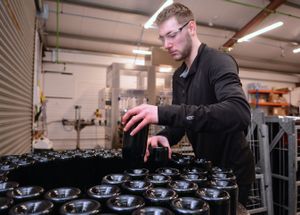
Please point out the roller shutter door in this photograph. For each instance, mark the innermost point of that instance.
(17, 27)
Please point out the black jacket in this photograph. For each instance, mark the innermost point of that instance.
(209, 105)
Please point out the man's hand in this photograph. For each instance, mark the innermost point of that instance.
(144, 114)
(156, 141)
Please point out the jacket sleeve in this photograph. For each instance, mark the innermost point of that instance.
(230, 113)
(173, 135)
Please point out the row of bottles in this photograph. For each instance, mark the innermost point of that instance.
(185, 185)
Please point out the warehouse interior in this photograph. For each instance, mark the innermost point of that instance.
(68, 72)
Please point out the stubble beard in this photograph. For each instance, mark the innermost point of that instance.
(184, 54)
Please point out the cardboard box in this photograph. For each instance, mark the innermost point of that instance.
(273, 97)
(279, 111)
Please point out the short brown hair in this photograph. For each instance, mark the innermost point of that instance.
(180, 11)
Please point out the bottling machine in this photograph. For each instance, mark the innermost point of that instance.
(127, 86)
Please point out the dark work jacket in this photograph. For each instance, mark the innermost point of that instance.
(209, 105)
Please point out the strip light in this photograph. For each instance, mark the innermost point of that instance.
(165, 69)
(141, 52)
(297, 50)
(261, 31)
(150, 22)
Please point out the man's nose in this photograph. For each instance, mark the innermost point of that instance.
(167, 44)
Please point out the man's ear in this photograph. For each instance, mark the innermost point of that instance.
(192, 28)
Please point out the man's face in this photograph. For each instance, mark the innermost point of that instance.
(175, 38)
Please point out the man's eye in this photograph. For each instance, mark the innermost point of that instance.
(172, 35)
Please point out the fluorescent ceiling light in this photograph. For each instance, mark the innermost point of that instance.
(141, 52)
(150, 22)
(165, 69)
(297, 50)
(261, 31)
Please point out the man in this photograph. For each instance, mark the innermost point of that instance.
(208, 104)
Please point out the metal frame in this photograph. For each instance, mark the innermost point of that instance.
(283, 150)
(257, 200)
(259, 143)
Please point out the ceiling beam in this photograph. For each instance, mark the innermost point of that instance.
(98, 5)
(293, 67)
(292, 4)
(100, 39)
(113, 9)
(277, 62)
(254, 22)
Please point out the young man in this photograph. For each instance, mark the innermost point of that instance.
(209, 104)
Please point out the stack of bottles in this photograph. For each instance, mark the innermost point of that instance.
(185, 186)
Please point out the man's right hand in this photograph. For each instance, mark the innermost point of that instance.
(156, 141)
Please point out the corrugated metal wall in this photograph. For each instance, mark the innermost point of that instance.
(17, 27)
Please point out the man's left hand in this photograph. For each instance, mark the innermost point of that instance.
(144, 114)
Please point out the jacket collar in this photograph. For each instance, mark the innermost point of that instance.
(194, 65)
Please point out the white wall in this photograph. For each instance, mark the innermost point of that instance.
(88, 81)
(89, 75)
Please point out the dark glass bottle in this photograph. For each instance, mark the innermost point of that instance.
(152, 211)
(125, 204)
(20, 194)
(200, 179)
(172, 172)
(190, 205)
(59, 196)
(10, 158)
(216, 169)
(158, 180)
(8, 166)
(136, 187)
(81, 206)
(103, 192)
(25, 161)
(138, 173)
(134, 147)
(159, 157)
(203, 164)
(3, 173)
(184, 188)
(182, 161)
(194, 170)
(224, 176)
(232, 188)
(36, 207)
(159, 196)
(62, 194)
(218, 200)
(3, 178)
(115, 179)
(5, 204)
(44, 158)
(7, 186)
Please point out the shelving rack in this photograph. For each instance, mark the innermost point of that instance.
(261, 98)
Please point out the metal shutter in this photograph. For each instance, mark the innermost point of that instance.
(17, 27)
